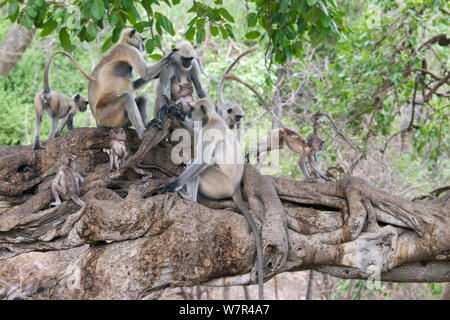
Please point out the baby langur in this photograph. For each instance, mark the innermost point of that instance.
(67, 181)
(57, 106)
(176, 82)
(217, 168)
(119, 152)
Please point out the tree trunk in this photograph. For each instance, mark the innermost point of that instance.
(13, 46)
(141, 243)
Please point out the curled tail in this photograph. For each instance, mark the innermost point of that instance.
(47, 67)
(237, 198)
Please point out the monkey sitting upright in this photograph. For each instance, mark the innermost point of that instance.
(66, 182)
(57, 106)
(176, 82)
(119, 152)
(217, 169)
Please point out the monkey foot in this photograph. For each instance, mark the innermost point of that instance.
(37, 147)
(54, 204)
(156, 122)
(169, 188)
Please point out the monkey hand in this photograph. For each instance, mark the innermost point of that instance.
(155, 122)
(176, 112)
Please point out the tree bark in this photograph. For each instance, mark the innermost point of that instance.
(13, 46)
(141, 243)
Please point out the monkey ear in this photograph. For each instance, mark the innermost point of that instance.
(133, 31)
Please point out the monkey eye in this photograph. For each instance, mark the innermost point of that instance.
(230, 110)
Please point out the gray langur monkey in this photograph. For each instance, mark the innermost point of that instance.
(232, 114)
(111, 86)
(177, 82)
(111, 97)
(56, 105)
(216, 172)
(66, 182)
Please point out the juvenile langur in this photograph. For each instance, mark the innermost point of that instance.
(111, 86)
(176, 82)
(67, 180)
(119, 152)
(217, 169)
(57, 106)
(305, 149)
(232, 114)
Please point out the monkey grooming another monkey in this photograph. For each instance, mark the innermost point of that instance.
(216, 172)
(57, 106)
(119, 153)
(111, 86)
(66, 183)
(176, 82)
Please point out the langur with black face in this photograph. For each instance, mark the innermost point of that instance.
(56, 105)
(217, 169)
(111, 86)
(177, 82)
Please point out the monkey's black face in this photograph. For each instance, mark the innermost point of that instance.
(238, 118)
(186, 62)
(83, 107)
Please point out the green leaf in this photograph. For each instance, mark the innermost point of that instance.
(39, 3)
(91, 32)
(251, 19)
(127, 3)
(27, 22)
(113, 19)
(200, 35)
(158, 41)
(13, 10)
(116, 33)
(149, 45)
(175, 2)
(49, 26)
(311, 2)
(226, 14)
(64, 38)
(32, 11)
(166, 24)
(252, 34)
(97, 9)
(155, 56)
(214, 31)
(190, 33)
(325, 20)
(312, 15)
(107, 44)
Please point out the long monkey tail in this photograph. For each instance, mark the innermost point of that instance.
(47, 68)
(237, 198)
